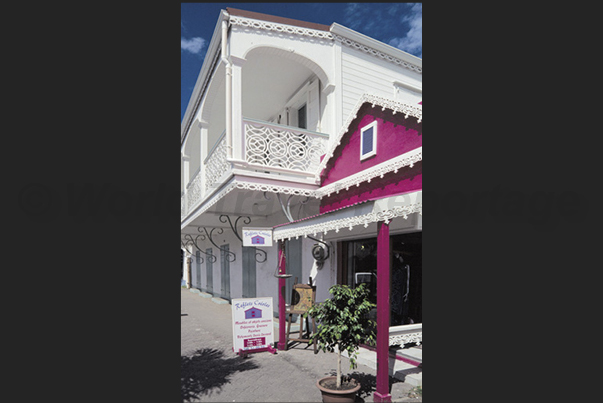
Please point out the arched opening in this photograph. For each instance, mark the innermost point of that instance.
(283, 87)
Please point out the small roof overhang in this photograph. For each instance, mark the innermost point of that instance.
(362, 213)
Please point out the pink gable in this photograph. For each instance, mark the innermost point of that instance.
(395, 136)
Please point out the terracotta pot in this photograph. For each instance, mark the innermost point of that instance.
(337, 396)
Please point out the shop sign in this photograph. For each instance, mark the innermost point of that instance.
(252, 324)
(259, 237)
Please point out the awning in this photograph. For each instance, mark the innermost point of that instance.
(364, 213)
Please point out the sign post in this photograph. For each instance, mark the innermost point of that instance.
(252, 325)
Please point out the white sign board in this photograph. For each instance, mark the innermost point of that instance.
(257, 236)
(252, 324)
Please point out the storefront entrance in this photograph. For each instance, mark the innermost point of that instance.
(359, 265)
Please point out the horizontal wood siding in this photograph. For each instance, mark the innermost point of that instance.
(363, 73)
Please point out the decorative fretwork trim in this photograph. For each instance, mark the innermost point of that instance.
(395, 106)
(261, 187)
(349, 222)
(315, 33)
(393, 165)
(216, 164)
(194, 191)
(280, 28)
(375, 52)
(235, 184)
(282, 147)
(401, 339)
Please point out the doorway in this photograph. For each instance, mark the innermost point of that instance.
(359, 265)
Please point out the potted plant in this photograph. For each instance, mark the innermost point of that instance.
(342, 324)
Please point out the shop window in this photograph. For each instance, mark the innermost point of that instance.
(360, 266)
(368, 140)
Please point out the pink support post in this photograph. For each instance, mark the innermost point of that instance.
(282, 269)
(383, 262)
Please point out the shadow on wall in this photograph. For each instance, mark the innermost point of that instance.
(207, 370)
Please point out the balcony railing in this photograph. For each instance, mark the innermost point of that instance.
(216, 164)
(283, 147)
(266, 147)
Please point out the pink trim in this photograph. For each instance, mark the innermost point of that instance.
(406, 180)
(244, 353)
(383, 275)
(378, 397)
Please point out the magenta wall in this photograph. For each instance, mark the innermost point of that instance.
(406, 180)
(395, 136)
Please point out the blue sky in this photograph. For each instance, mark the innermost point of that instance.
(397, 24)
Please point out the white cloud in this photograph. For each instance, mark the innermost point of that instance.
(412, 42)
(193, 45)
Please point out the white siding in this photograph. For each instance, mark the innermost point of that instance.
(364, 73)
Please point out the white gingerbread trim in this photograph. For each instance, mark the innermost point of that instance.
(401, 339)
(279, 28)
(367, 49)
(392, 165)
(207, 203)
(336, 225)
(262, 187)
(395, 106)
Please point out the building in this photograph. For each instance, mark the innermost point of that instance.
(314, 132)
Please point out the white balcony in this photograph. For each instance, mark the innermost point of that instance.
(270, 151)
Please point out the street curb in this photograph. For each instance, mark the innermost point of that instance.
(220, 301)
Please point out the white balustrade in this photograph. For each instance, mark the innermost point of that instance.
(276, 146)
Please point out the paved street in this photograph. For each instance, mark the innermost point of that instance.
(212, 372)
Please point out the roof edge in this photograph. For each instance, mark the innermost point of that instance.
(356, 36)
(212, 50)
(279, 20)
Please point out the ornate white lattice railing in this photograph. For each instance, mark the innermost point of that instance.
(283, 147)
(182, 205)
(215, 163)
(194, 190)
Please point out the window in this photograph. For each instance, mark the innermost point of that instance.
(368, 140)
(301, 117)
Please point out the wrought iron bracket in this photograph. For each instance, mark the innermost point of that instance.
(192, 241)
(230, 256)
(259, 253)
(185, 246)
(316, 249)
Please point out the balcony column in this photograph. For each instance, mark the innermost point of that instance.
(238, 135)
(186, 177)
(203, 135)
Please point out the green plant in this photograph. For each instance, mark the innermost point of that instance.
(416, 392)
(343, 323)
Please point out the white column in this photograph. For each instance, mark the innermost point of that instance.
(185, 263)
(185, 162)
(238, 135)
(203, 135)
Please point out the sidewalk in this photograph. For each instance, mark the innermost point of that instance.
(212, 372)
